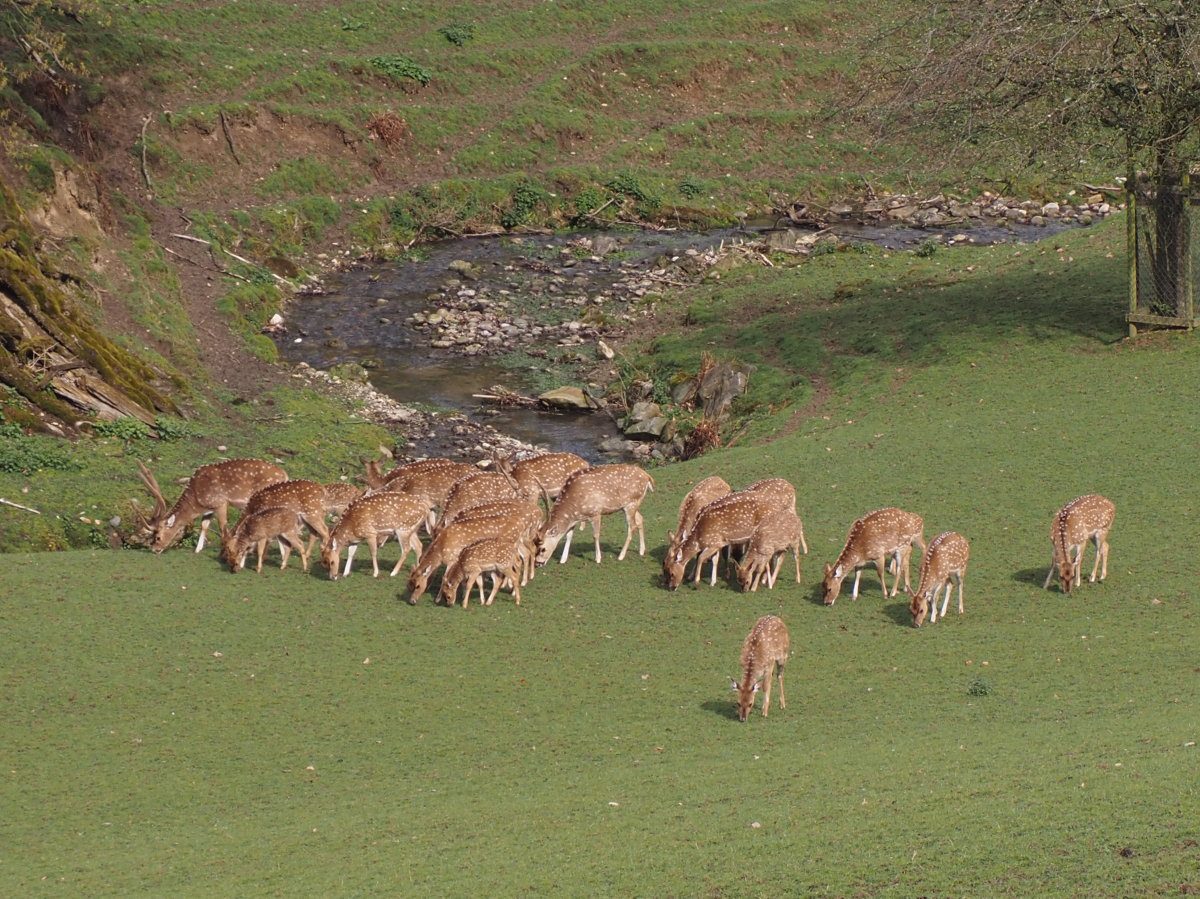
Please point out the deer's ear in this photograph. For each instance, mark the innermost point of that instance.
(754, 689)
(837, 572)
(734, 684)
(170, 521)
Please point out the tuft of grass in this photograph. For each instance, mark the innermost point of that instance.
(401, 68)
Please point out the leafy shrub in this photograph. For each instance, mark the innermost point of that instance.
(352, 24)
(172, 428)
(691, 187)
(588, 200)
(122, 429)
(401, 68)
(22, 455)
(928, 247)
(628, 185)
(10, 429)
(525, 199)
(457, 34)
(979, 687)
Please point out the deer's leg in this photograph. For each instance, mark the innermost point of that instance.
(767, 694)
(946, 598)
(405, 546)
(496, 581)
(779, 671)
(516, 587)
(803, 545)
(796, 558)
(350, 551)
(596, 534)
(1104, 563)
(858, 574)
(373, 546)
(204, 523)
(1050, 573)
(261, 546)
(1096, 563)
(1079, 562)
(883, 577)
(630, 525)
(641, 526)
(285, 550)
(961, 575)
(304, 551)
(566, 545)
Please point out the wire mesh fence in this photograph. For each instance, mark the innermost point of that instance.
(1164, 241)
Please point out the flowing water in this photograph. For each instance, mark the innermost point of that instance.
(363, 316)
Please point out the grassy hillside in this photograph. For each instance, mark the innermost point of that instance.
(175, 728)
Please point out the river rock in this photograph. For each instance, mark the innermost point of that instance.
(1050, 209)
(603, 350)
(683, 393)
(602, 244)
(720, 387)
(650, 429)
(568, 398)
(643, 411)
(464, 269)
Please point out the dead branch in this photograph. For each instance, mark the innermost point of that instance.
(145, 169)
(229, 137)
(217, 269)
(232, 255)
(6, 502)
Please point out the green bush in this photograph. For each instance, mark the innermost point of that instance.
(122, 429)
(23, 455)
(525, 199)
(457, 34)
(172, 428)
(401, 68)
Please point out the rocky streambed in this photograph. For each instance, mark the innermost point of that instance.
(514, 315)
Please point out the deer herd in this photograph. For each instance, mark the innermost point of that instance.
(504, 522)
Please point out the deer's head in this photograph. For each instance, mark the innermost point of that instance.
(918, 607)
(831, 586)
(745, 697)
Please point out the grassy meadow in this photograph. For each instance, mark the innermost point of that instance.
(170, 728)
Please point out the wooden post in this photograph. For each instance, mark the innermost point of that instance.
(1189, 285)
(1131, 248)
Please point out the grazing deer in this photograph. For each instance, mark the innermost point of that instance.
(478, 488)
(707, 490)
(727, 521)
(776, 493)
(305, 498)
(527, 513)
(339, 495)
(945, 560)
(498, 557)
(432, 482)
(1082, 519)
(370, 518)
(767, 647)
(774, 536)
(587, 496)
(257, 528)
(872, 538)
(377, 479)
(451, 539)
(210, 491)
(545, 471)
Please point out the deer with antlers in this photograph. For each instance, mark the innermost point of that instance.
(497, 557)
(256, 529)
(370, 518)
(771, 540)
(765, 651)
(210, 491)
(728, 521)
(589, 495)
(945, 560)
(451, 539)
(873, 538)
(1082, 519)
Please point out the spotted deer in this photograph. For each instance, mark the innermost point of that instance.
(210, 491)
(339, 495)
(478, 488)
(306, 498)
(728, 521)
(257, 528)
(945, 560)
(451, 539)
(1082, 519)
(528, 513)
(707, 490)
(873, 538)
(776, 493)
(765, 651)
(545, 471)
(498, 557)
(589, 495)
(377, 479)
(433, 483)
(774, 536)
(370, 518)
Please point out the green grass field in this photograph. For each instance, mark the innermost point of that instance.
(173, 729)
